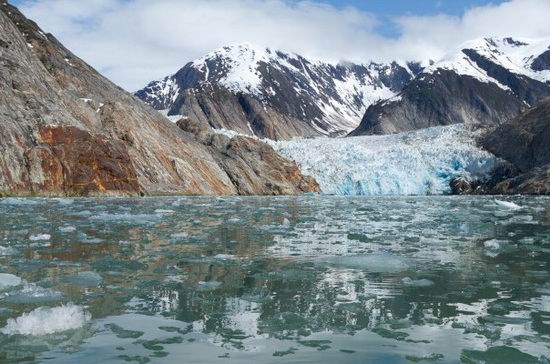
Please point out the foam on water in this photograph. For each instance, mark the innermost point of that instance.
(415, 163)
(46, 321)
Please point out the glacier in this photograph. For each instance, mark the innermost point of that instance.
(414, 163)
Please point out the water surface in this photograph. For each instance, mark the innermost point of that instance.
(311, 279)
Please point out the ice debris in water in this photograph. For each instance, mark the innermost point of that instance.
(67, 229)
(164, 212)
(380, 263)
(417, 282)
(17, 201)
(31, 294)
(508, 205)
(39, 237)
(7, 250)
(8, 281)
(84, 279)
(415, 163)
(46, 321)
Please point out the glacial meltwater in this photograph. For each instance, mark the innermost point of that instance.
(311, 279)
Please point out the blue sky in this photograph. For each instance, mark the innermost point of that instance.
(385, 10)
(136, 41)
(414, 7)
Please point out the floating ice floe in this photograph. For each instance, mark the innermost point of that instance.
(46, 321)
(67, 229)
(7, 250)
(164, 212)
(40, 237)
(9, 280)
(417, 282)
(32, 294)
(508, 205)
(492, 244)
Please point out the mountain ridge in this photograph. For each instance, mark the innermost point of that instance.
(252, 89)
(486, 81)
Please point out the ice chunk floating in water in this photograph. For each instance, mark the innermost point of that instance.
(508, 205)
(9, 280)
(416, 163)
(45, 321)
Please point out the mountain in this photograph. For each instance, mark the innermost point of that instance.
(277, 95)
(68, 130)
(524, 142)
(485, 81)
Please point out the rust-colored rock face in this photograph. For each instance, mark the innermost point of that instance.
(253, 167)
(104, 140)
(74, 161)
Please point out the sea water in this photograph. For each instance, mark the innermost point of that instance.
(312, 279)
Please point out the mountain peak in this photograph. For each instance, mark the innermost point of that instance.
(318, 98)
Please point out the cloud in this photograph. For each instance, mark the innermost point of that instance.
(135, 41)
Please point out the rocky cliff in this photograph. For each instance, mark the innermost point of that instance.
(276, 95)
(486, 81)
(525, 143)
(65, 129)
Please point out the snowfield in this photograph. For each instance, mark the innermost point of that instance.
(416, 163)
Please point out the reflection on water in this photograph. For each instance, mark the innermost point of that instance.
(263, 280)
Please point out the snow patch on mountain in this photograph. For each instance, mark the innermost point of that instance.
(240, 65)
(514, 54)
(415, 163)
(331, 97)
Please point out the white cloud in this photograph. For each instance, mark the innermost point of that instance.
(135, 41)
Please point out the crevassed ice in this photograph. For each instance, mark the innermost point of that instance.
(414, 163)
(45, 321)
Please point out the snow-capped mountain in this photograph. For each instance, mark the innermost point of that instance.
(486, 81)
(273, 94)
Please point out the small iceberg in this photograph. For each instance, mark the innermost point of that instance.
(40, 237)
(9, 280)
(7, 250)
(46, 321)
(492, 244)
(67, 229)
(417, 282)
(508, 205)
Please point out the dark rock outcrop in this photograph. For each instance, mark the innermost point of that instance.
(441, 98)
(542, 62)
(65, 129)
(525, 143)
(534, 182)
(480, 85)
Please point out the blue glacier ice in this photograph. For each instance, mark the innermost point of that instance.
(415, 163)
